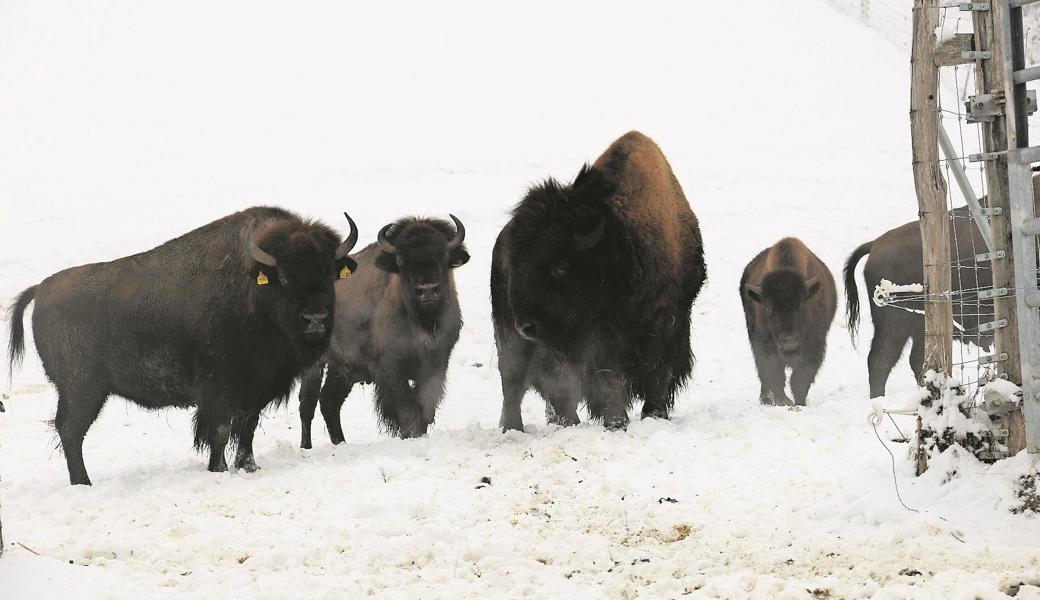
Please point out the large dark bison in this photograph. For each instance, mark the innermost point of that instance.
(396, 325)
(789, 300)
(897, 256)
(591, 289)
(224, 318)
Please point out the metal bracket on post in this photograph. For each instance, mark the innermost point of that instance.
(981, 108)
(976, 54)
(993, 358)
(988, 256)
(981, 156)
(995, 293)
(992, 212)
(992, 325)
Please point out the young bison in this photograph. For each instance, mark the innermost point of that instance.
(397, 322)
(789, 303)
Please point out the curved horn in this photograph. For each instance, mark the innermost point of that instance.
(584, 241)
(254, 251)
(349, 243)
(460, 233)
(385, 243)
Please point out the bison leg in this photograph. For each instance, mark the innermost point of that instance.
(429, 393)
(398, 407)
(218, 441)
(771, 374)
(559, 385)
(885, 348)
(657, 387)
(514, 361)
(244, 430)
(77, 411)
(802, 378)
(917, 355)
(310, 387)
(333, 394)
(608, 398)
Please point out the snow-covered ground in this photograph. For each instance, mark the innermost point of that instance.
(125, 124)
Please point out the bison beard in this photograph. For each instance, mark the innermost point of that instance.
(223, 318)
(396, 325)
(592, 285)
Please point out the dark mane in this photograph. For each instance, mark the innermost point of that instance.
(576, 205)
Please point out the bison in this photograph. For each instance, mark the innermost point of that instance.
(592, 284)
(396, 325)
(897, 256)
(224, 318)
(789, 301)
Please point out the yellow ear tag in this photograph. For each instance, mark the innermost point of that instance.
(343, 274)
(261, 279)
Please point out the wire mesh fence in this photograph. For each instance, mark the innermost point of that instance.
(970, 270)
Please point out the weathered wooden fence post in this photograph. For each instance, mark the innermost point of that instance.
(931, 202)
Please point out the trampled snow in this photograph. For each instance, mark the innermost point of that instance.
(123, 125)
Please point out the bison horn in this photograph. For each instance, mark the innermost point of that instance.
(460, 233)
(584, 241)
(348, 244)
(254, 251)
(385, 243)
(812, 285)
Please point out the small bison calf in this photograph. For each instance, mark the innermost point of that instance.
(789, 303)
(396, 323)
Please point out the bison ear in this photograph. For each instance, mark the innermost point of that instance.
(754, 292)
(345, 267)
(812, 286)
(458, 257)
(387, 262)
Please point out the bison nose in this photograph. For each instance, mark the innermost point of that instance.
(315, 320)
(527, 330)
(428, 292)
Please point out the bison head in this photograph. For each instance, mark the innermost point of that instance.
(422, 252)
(296, 264)
(783, 294)
(567, 261)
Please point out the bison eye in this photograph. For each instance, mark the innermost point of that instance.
(769, 309)
(559, 271)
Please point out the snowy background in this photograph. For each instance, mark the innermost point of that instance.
(124, 124)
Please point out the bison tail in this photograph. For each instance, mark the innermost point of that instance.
(16, 349)
(851, 293)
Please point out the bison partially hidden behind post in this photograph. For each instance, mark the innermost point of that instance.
(896, 256)
(223, 318)
(396, 325)
(592, 285)
(789, 302)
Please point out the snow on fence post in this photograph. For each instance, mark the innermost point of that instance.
(931, 201)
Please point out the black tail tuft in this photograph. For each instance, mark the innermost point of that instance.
(851, 293)
(16, 349)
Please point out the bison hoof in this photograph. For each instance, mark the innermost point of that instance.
(617, 423)
(247, 464)
(657, 413)
(220, 467)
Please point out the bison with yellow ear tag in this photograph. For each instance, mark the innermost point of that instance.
(224, 318)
